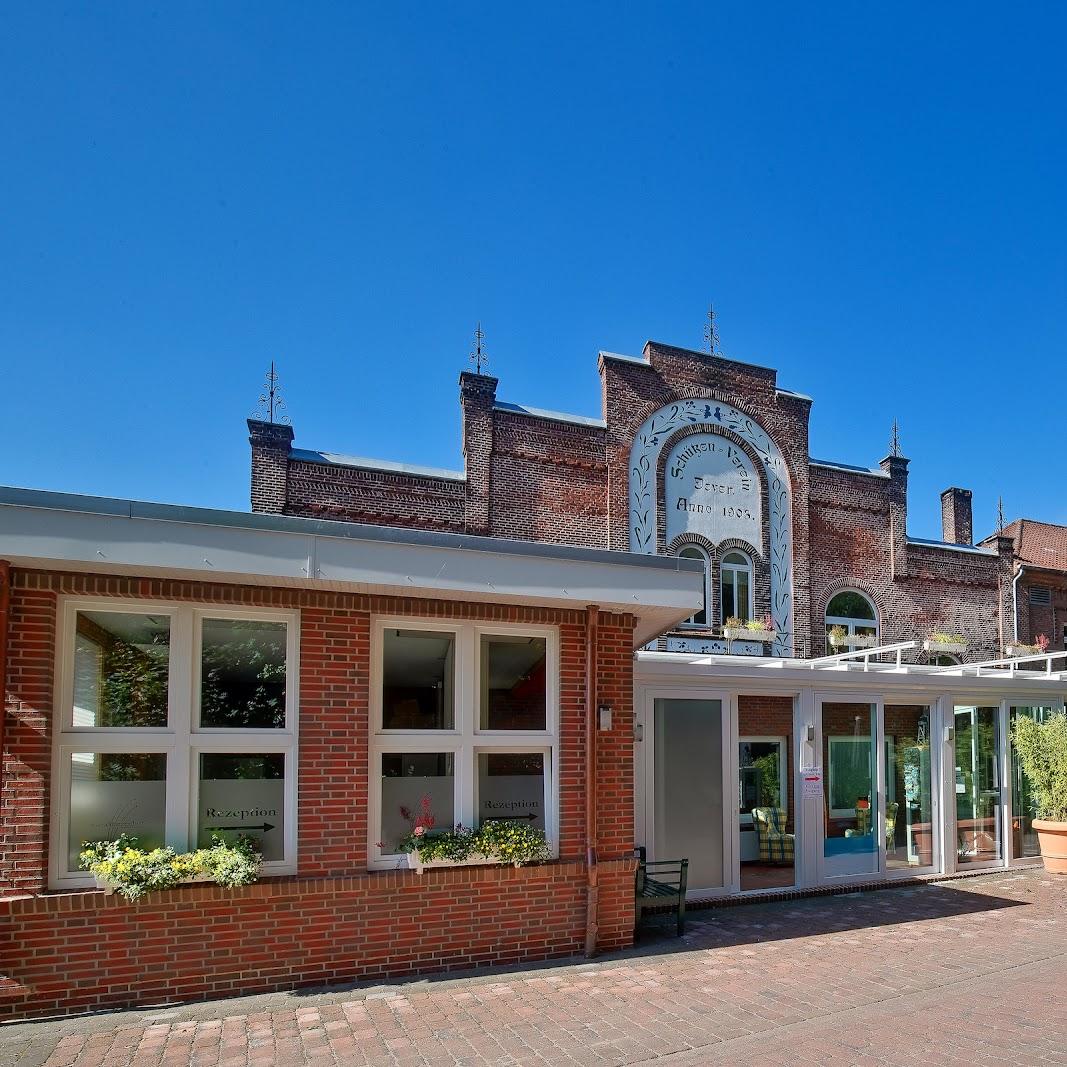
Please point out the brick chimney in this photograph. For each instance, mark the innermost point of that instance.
(477, 394)
(956, 526)
(270, 443)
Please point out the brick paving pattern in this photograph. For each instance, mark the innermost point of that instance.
(971, 972)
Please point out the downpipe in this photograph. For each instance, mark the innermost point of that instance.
(592, 890)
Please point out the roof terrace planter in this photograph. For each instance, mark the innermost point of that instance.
(948, 645)
(1020, 648)
(743, 633)
(853, 640)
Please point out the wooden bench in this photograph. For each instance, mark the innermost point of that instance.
(660, 885)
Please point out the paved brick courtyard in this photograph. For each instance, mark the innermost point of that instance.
(966, 972)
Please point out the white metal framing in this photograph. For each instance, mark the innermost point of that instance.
(938, 689)
(182, 739)
(466, 740)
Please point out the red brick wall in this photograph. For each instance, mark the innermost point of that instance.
(85, 951)
(484, 919)
(1048, 619)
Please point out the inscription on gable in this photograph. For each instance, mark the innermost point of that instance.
(711, 489)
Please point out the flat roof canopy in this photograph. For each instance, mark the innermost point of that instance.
(898, 680)
(58, 531)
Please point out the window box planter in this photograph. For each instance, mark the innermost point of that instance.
(475, 859)
(743, 633)
(853, 640)
(110, 888)
(955, 648)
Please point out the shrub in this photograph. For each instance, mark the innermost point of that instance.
(1042, 748)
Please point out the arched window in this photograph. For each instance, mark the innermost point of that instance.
(854, 613)
(693, 552)
(735, 577)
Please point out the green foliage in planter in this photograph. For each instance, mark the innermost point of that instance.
(1042, 748)
(134, 871)
(838, 633)
(455, 845)
(512, 841)
(505, 840)
(939, 638)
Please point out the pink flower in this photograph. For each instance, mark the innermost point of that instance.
(420, 830)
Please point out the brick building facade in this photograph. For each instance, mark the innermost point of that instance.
(1039, 582)
(550, 477)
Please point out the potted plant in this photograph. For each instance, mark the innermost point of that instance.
(841, 638)
(121, 866)
(1042, 750)
(940, 642)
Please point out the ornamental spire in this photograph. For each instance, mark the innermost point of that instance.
(711, 333)
(1000, 514)
(270, 401)
(478, 354)
(894, 440)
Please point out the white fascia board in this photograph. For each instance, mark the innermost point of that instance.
(111, 541)
(765, 675)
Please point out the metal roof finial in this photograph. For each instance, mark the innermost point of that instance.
(711, 334)
(478, 355)
(894, 440)
(1000, 514)
(270, 401)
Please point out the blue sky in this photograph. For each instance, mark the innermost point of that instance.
(873, 197)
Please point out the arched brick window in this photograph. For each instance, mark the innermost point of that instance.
(735, 585)
(695, 552)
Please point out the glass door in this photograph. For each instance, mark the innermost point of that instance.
(911, 789)
(976, 749)
(688, 817)
(1023, 838)
(852, 770)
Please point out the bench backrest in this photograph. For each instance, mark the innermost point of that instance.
(673, 873)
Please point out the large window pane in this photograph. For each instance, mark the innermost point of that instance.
(850, 845)
(242, 675)
(977, 785)
(418, 685)
(416, 785)
(1023, 804)
(513, 683)
(909, 822)
(121, 662)
(511, 785)
(116, 793)
(243, 794)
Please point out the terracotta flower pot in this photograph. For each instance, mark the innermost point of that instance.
(1053, 839)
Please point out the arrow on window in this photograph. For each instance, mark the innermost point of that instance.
(508, 818)
(262, 827)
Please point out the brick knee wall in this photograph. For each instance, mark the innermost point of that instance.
(69, 953)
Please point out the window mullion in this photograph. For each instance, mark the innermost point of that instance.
(180, 758)
(468, 703)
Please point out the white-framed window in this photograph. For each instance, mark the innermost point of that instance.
(762, 768)
(855, 612)
(735, 584)
(696, 552)
(173, 722)
(464, 727)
